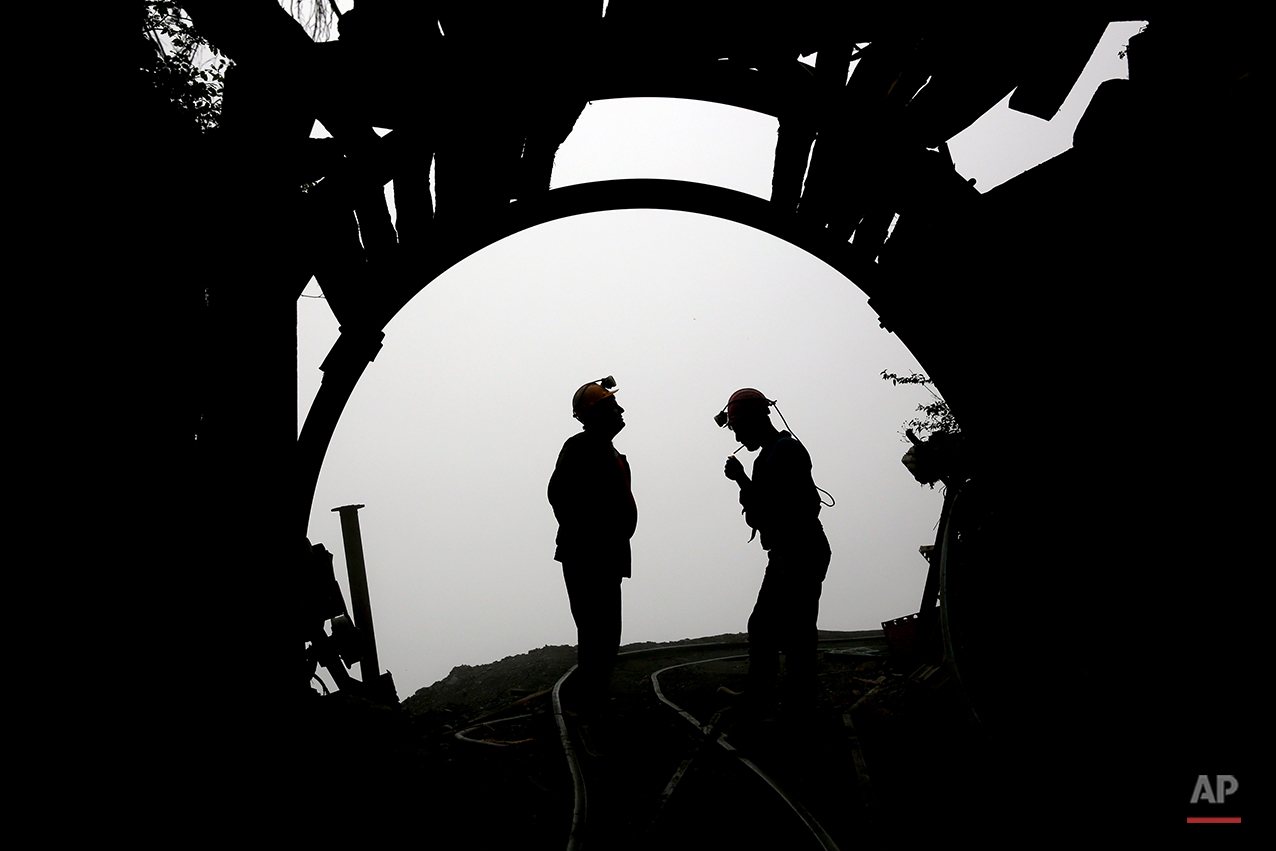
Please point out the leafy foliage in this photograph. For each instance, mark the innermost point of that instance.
(186, 74)
(180, 67)
(935, 417)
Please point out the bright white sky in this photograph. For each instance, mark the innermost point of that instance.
(451, 436)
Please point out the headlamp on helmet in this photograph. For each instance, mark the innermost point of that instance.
(742, 402)
(592, 393)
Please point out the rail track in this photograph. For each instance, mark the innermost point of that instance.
(677, 766)
(674, 765)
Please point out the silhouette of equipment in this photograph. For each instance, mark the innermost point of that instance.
(351, 640)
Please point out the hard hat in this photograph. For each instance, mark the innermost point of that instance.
(743, 401)
(592, 393)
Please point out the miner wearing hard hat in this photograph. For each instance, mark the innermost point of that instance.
(781, 504)
(594, 504)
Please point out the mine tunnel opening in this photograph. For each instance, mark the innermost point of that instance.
(682, 309)
(460, 408)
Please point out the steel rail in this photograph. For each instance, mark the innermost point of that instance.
(817, 830)
(460, 735)
(580, 808)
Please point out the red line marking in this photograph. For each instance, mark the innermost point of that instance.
(1214, 821)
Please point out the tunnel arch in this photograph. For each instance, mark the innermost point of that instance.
(357, 346)
(1165, 174)
(420, 434)
(790, 98)
(351, 354)
(1180, 147)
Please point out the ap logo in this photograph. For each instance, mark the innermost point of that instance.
(1214, 798)
(1224, 786)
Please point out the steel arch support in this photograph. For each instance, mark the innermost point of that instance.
(356, 347)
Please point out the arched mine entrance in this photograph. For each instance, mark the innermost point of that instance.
(1078, 267)
(452, 433)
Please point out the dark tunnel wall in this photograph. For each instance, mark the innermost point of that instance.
(1132, 314)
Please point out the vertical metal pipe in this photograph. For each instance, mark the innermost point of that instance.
(359, 600)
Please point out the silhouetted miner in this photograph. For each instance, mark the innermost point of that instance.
(591, 496)
(782, 504)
